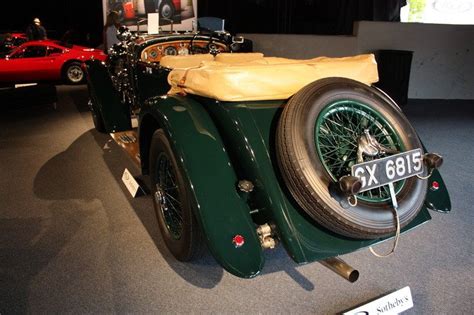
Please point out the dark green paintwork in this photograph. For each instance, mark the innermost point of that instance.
(438, 200)
(218, 144)
(105, 99)
(248, 131)
(212, 181)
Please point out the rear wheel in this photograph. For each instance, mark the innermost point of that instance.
(166, 9)
(172, 201)
(318, 142)
(118, 7)
(73, 73)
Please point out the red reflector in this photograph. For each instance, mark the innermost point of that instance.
(434, 185)
(238, 240)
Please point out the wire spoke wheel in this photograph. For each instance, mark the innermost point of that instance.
(337, 132)
(167, 196)
(323, 131)
(173, 201)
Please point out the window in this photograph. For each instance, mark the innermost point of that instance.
(54, 51)
(34, 52)
(439, 11)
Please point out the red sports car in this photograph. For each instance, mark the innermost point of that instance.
(47, 60)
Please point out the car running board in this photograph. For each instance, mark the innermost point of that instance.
(128, 140)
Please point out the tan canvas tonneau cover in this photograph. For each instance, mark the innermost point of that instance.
(251, 77)
(187, 61)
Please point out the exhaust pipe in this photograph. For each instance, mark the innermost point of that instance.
(341, 268)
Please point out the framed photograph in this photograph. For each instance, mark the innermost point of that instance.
(178, 14)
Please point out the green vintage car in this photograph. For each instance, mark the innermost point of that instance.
(246, 152)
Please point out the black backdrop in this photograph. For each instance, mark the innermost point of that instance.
(333, 17)
(329, 17)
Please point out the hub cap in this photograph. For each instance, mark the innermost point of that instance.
(75, 74)
(166, 11)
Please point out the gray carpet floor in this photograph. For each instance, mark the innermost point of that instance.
(72, 240)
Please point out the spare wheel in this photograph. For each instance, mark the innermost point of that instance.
(317, 142)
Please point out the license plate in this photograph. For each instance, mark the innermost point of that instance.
(389, 169)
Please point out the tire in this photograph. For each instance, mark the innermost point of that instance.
(172, 201)
(118, 7)
(73, 73)
(166, 9)
(312, 157)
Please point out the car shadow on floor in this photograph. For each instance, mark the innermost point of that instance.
(203, 272)
(91, 169)
(28, 245)
(84, 170)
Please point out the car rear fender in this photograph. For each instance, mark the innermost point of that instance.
(248, 130)
(105, 99)
(204, 162)
(437, 198)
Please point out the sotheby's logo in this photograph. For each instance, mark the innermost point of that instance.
(393, 303)
(390, 305)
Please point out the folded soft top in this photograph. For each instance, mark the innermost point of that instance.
(251, 76)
